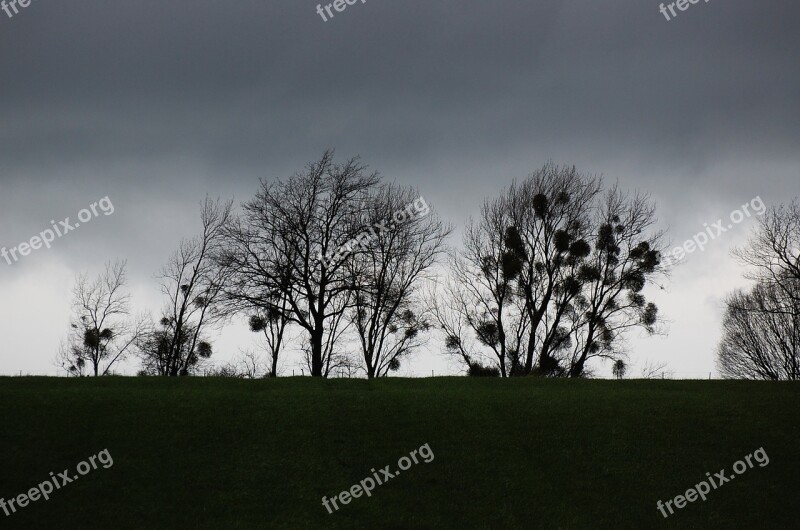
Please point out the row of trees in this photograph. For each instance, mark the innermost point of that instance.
(264, 264)
(551, 275)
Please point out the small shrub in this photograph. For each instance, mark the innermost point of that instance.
(478, 370)
(226, 370)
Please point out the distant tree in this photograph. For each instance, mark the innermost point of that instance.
(227, 370)
(192, 283)
(283, 244)
(619, 369)
(653, 370)
(101, 334)
(760, 330)
(250, 365)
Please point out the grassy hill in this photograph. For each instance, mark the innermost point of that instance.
(525, 453)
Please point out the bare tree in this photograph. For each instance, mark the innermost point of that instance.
(760, 333)
(654, 370)
(192, 283)
(228, 370)
(385, 273)
(508, 278)
(101, 333)
(453, 324)
(773, 252)
(760, 330)
(481, 308)
(551, 214)
(551, 275)
(279, 249)
(269, 310)
(336, 334)
(625, 257)
(252, 366)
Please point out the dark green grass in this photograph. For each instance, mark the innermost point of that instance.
(526, 453)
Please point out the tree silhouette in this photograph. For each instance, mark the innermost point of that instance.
(385, 273)
(551, 276)
(760, 335)
(619, 369)
(101, 333)
(192, 283)
(272, 324)
(284, 247)
(761, 338)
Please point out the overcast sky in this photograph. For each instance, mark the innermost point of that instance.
(156, 104)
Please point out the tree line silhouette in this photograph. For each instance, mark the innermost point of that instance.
(551, 276)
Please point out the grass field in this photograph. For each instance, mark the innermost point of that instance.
(203, 453)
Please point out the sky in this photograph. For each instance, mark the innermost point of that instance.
(156, 104)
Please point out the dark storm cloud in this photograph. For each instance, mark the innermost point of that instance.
(245, 82)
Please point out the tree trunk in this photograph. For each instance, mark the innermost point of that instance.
(577, 369)
(529, 353)
(536, 319)
(316, 352)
